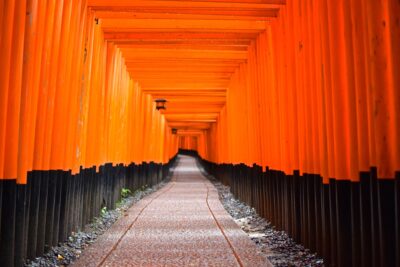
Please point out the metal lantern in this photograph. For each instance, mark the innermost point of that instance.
(160, 103)
(174, 131)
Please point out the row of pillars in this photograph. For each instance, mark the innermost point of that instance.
(347, 223)
(41, 214)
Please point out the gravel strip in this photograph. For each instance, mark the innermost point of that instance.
(69, 251)
(277, 246)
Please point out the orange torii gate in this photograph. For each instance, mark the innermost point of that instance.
(300, 97)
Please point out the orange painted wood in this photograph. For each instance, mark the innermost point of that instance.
(14, 94)
(28, 90)
(5, 72)
(44, 90)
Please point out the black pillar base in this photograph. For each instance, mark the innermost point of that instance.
(7, 241)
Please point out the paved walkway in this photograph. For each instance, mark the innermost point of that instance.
(182, 224)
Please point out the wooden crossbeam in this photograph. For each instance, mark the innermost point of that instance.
(160, 54)
(162, 35)
(179, 25)
(232, 5)
(185, 51)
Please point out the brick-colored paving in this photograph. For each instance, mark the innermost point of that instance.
(183, 224)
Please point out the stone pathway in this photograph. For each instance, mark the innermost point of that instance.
(183, 224)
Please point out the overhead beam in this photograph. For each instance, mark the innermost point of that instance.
(143, 53)
(183, 86)
(191, 46)
(180, 75)
(189, 125)
(196, 120)
(200, 111)
(194, 105)
(186, 94)
(182, 70)
(132, 5)
(162, 35)
(266, 14)
(176, 25)
(185, 51)
(191, 116)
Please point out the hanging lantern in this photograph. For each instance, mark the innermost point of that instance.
(160, 103)
(174, 131)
